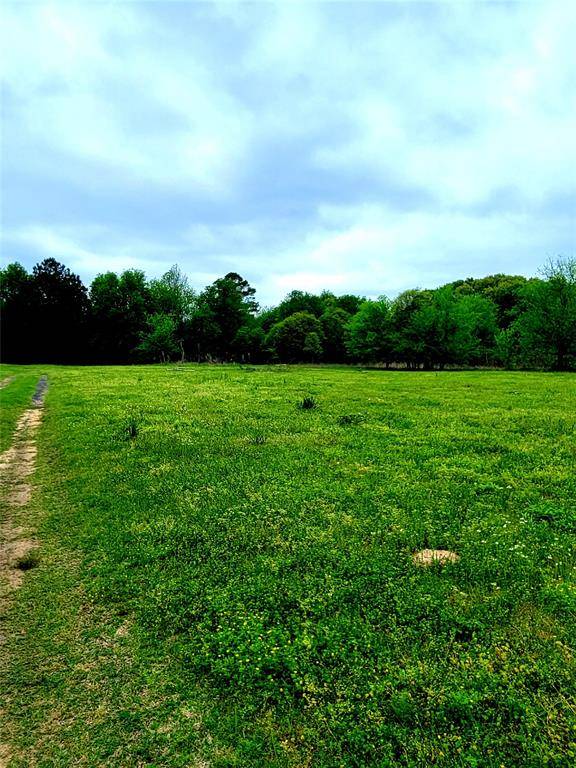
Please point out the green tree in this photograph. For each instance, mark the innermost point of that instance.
(106, 319)
(172, 295)
(446, 328)
(300, 301)
(160, 342)
(245, 290)
(220, 311)
(291, 340)
(201, 332)
(547, 326)
(369, 333)
(59, 313)
(249, 343)
(432, 328)
(120, 310)
(349, 303)
(312, 349)
(476, 326)
(16, 306)
(404, 333)
(504, 290)
(334, 323)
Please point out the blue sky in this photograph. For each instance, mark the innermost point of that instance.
(362, 147)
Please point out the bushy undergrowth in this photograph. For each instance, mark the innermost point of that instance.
(279, 571)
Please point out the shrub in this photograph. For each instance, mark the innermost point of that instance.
(308, 403)
(351, 418)
(131, 428)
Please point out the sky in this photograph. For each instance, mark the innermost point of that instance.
(362, 147)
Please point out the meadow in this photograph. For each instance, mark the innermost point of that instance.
(226, 578)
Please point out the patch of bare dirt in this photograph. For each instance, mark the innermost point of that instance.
(13, 554)
(5, 755)
(18, 462)
(428, 557)
(4, 382)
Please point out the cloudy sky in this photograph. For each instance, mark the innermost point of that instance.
(361, 147)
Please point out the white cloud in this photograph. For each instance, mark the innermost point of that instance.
(78, 72)
(299, 126)
(82, 250)
(373, 250)
(366, 249)
(504, 79)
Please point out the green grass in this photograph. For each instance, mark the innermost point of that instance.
(226, 578)
(15, 397)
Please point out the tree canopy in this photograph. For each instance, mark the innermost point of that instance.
(507, 320)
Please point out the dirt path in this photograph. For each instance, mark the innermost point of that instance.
(16, 466)
(17, 547)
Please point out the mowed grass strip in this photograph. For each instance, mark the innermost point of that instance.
(256, 558)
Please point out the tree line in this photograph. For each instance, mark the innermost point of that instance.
(48, 315)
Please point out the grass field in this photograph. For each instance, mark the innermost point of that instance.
(14, 398)
(226, 579)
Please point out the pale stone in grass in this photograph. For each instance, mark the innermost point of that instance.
(429, 556)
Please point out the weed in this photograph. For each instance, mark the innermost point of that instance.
(132, 427)
(308, 403)
(351, 418)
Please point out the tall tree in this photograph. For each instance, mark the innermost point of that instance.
(172, 304)
(106, 319)
(443, 327)
(16, 307)
(432, 328)
(202, 332)
(221, 310)
(59, 312)
(349, 303)
(300, 301)
(405, 338)
(504, 290)
(369, 333)
(120, 310)
(245, 290)
(172, 295)
(476, 326)
(547, 327)
(296, 338)
(160, 341)
(249, 342)
(334, 322)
